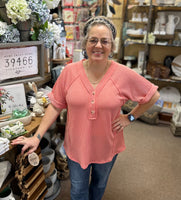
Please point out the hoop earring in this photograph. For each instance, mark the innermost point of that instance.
(84, 53)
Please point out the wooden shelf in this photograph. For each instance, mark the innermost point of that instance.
(168, 8)
(31, 128)
(47, 78)
(173, 79)
(164, 37)
(135, 36)
(60, 61)
(137, 22)
(115, 18)
(130, 6)
(167, 45)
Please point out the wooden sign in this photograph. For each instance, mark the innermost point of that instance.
(21, 62)
(18, 62)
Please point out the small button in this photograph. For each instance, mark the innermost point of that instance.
(93, 93)
(92, 101)
(92, 111)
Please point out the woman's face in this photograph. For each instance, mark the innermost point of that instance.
(99, 43)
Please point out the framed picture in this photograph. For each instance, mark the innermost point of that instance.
(12, 97)
(21, 62)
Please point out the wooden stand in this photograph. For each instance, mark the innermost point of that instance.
(31, 180)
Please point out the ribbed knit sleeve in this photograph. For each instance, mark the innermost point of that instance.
(58, 94)
(133, 86)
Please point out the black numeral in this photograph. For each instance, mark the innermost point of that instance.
(7, 62)
(19, 61)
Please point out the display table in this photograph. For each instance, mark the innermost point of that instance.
(31, 128)
(13, 153)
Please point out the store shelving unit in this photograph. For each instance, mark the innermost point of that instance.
(131, 44)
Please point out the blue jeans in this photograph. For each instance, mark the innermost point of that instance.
(84, 189)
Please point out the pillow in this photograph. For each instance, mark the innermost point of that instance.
(150, 116)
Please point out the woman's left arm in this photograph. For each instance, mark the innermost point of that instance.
(122, 121)
(141, 108)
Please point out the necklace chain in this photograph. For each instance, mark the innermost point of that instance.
(98, 80)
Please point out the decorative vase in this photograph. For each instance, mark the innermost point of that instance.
(24, 29)
(173, 21)
(3, 14)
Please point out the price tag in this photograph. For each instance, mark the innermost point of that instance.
(18, 62)
(33, 159)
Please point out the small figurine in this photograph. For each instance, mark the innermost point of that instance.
(39, 102)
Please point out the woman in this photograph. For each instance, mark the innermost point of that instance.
(93, 91)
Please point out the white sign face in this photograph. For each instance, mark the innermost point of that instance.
(17, 95)
(33, 159)
(18, 62)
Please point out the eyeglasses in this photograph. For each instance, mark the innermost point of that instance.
(104, 41)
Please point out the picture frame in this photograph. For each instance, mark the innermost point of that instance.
(13, 98)
(21, 62)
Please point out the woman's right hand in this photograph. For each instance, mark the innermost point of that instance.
(30, 144)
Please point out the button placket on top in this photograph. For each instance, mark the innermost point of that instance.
(93, 93)
(92, 107)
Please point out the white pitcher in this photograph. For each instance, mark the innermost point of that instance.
(173, 20)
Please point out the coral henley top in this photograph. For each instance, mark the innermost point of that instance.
(89, 137)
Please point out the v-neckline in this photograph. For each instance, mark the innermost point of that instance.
(102, 82)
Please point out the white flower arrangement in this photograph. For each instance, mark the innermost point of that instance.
(54, 28)
(38, 11)
(52, 3)
(3, 27)
(18, 10)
